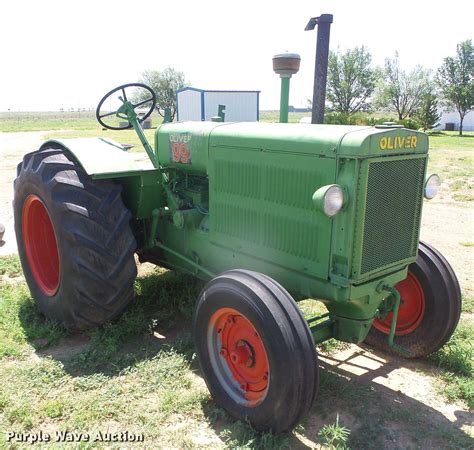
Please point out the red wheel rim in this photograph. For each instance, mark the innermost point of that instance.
(242, 361)
(411, 311)
(40, 244)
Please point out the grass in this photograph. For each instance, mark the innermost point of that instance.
(446, 140)
(139, 374)
(20, 324)
(39, 121)
(335, 436)
(468, 304)
(451, 157)
(274, 116)
(124, 377)
(456, 359)
(86, 120)
(10, 264)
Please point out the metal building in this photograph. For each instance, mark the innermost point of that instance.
(450, 120)
(200, 104)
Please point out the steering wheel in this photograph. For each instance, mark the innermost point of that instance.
(123, 98)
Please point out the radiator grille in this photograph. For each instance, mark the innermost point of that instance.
(392, 213)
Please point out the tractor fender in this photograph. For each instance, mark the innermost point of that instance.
(101, 157)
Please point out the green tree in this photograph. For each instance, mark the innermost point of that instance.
(400, 91)
(428, 111)
(456, 80)
(164, 84)
(351, 80)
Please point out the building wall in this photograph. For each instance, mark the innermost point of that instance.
(197, 104)
(189, 105)
(453, 117)
(239, 106)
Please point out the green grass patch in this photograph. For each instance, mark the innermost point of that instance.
(451, 140)
(450, 156)
(54, 408)
(274, 116)
(39, 121)
(457, 387)
(457, 355)
(335, 436)
(456, 359)
(241, 435)
(10, 265)
(21, 324)
(312, 308)
(468, 304)
(163, 301)
(459, 197)
(20, 415)
(55, 120)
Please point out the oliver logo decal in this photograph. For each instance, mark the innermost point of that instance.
(397, 142)
(180, 151)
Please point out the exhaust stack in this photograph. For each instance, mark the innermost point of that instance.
(324, 22)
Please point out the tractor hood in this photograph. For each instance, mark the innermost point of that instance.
(318, 140)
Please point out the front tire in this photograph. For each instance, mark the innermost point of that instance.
(74, 240)
(255, 350)
(430, 308)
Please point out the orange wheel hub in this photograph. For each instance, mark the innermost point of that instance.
(40, 245)
(243, 353)
(411, 311)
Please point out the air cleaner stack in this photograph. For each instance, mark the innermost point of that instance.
(285, 65)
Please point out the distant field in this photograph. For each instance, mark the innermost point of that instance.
(274, 116)
(39, 121)
(85, 120)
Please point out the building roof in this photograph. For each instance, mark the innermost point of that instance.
(189, 88)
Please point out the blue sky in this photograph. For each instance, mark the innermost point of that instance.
(68, 54)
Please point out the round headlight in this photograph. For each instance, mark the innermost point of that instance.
(329, 199)
(432, 186)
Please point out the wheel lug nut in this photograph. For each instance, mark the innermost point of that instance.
(223, 352)
(244, 386)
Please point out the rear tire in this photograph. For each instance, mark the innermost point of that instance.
(436, 293)
(255, 350)
(74, 240)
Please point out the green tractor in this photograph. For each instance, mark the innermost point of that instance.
(266, 214)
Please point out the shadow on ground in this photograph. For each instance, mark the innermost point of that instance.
(378, 417)
(160, 316)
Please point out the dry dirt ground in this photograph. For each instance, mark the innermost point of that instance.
(411, 384)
